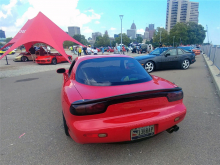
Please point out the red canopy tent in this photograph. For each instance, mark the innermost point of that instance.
(40, 30)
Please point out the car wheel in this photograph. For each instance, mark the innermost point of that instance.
(69, 58)
(185, 64)
(24, 59)
(149, 66)
(54, 61)
(65, 127)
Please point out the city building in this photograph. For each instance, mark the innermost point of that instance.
(151, 26)
(149, 32)
(2, 34)
(106, 32)
(131, 33)
(73, 30)
(146, 35)
(181, 11)
(96, 34)
(89, 39)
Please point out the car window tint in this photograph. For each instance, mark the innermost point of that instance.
(180, 52)
(172, 52)
(155, 52)
(71, 67)
(111, 71)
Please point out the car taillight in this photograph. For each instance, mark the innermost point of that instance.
(88, 109)
(174, 96)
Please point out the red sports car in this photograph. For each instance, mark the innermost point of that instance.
(110, 50)
(113, 99)
(52, 58)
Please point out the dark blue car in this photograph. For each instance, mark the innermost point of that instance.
(166, 58)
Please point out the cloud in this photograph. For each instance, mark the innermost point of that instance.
(97, 22)
(112, 29)
(71, 16)
(140, 31)
(87, 30)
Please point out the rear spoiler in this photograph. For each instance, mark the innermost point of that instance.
(130, 96)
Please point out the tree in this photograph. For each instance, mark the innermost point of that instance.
(180, 33)
(8, 39)
(102, 41)
(125, 39)
(196, 33)
(80, 38)
(139, 39)
(160, 33)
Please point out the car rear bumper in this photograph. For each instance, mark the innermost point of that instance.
(119, 128)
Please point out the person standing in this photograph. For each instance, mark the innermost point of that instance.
(123, 50)
(32, 51)
(85, 50)
(89, 50)
(80, 50)
(119, 48)
(95, 51)
(160, 44)
(102, 50)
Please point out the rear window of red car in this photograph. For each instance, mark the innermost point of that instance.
(111, 71)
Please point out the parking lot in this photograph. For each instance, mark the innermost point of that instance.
(32, 127)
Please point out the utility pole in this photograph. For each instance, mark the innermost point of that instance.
(207, 32)
(121, 17)
(173, 40)
(160, 36)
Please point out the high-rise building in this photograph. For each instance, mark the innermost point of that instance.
(106, 32)
(2, 34)
(73, 30)
(96, 34)
(131, 33)
(146, 35)
(181, 11)
(151, 26)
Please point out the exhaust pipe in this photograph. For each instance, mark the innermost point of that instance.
(174, 128)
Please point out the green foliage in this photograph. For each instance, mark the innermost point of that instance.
(102, 41)
(164, 37)
(147, 42)
(1, 44)
(80, 38)
(67, 44)
(8, 39)
(125, 39)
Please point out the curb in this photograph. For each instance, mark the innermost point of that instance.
(214, 72)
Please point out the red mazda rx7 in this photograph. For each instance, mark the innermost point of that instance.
(113, 99)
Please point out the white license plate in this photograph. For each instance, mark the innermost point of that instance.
(142, 132)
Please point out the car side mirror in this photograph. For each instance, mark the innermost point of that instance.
(61, 70)
(168, 54)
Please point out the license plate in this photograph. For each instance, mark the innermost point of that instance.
(142, 132)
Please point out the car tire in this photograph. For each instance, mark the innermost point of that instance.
(185, 64)
(149, 66)
(24, 58)
(54, 61)
(65, 127)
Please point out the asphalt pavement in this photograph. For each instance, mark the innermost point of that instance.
(32, 128)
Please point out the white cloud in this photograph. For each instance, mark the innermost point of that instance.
(140, 31)
(112, 28)
(87, 30)
(97, 22)
(63, 13)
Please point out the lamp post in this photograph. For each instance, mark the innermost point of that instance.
(173, 40)
(121, 16)
(160, 36)
(207, 32)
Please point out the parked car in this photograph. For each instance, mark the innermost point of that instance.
(110, 50)
(190, 49)
(166, 58)
(52, 58)
(113, 99)
(4, 50)
(24, 56)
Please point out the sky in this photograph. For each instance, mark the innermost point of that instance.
(101, 15)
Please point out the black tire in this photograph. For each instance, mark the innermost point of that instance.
(185, 64)
(24, 58)
(54, 61)
(149, 66)
(65, 127)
